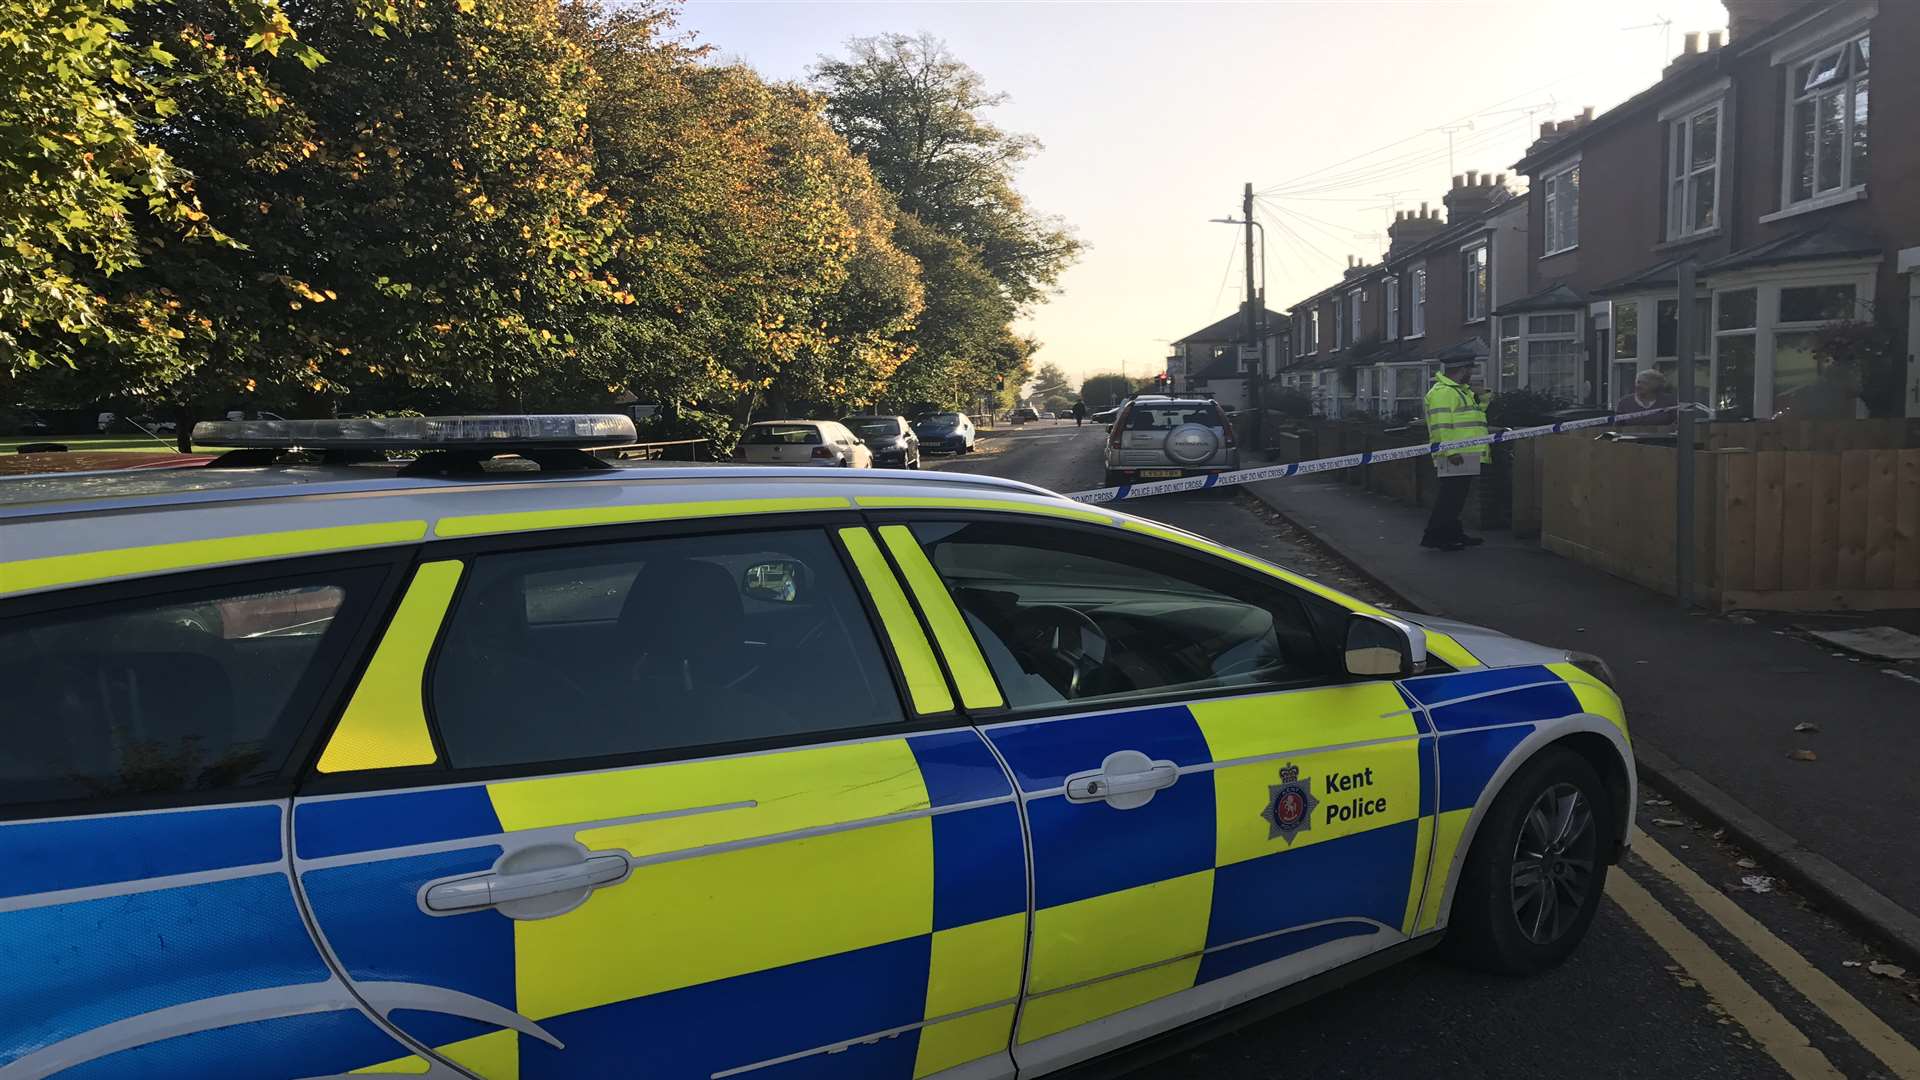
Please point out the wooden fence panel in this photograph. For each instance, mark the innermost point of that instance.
(1853, 518)
(1738, 474)
(1769, 503)
(1823, 548)
(1906, 557)
(1796, 524)
(1883, 470)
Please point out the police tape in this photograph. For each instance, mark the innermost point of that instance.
(1370, 457)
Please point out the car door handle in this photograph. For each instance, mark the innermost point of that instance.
(491, 890)
(1125, 780)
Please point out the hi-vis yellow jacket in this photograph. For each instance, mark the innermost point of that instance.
(1456, 412)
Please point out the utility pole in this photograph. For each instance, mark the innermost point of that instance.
(1685, 336)
(1257, 375)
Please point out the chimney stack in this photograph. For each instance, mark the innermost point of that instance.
(1473, 194)
(1746, 18)
(1412, 230)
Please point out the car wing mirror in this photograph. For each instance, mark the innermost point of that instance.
(782, 581)
(1380, 647)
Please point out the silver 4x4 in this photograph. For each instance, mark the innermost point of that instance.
(1163, 438)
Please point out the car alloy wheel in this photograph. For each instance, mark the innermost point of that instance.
(1553, 860)
(1533, 877)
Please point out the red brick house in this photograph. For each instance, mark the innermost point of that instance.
(1780, 163)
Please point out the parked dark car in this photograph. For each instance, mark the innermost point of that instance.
(949, 432)
(891, 439)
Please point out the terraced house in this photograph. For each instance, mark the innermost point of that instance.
(1370, 343)
(1781, 163)
(1775, 158)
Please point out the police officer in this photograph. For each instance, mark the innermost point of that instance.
(1454, 411)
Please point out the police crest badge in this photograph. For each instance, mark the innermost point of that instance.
(1290, 805)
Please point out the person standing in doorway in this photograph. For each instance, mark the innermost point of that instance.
(1454, 412)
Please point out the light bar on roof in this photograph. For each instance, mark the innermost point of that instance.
(502, 434)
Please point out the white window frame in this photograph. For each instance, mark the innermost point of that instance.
(1528, 336)
(1339, 325)
(1850, 187)
(1356, 300)
(1313, 330)
(1683, 179)
(1418, 305)
(1392, 289)
(1560, 185)
(1476, 303)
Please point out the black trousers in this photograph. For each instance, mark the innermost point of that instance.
(1444, 526)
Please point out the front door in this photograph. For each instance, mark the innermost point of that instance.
(1214, 810)
(671, 819)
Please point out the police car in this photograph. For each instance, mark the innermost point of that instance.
(530, 767)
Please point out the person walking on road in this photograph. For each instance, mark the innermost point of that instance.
(1454, 412)
(1079, 413)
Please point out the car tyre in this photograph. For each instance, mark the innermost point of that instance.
(1533, 878)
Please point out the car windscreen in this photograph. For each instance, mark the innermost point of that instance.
(1166, 417)
(783, 435)
(870, 427)
(940, 420)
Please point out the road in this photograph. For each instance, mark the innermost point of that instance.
(1687, 972)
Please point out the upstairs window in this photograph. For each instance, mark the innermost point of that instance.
(1393, 308)
(1419, 310)
(1562, 202)
(1339, 324)
(1354, 300)
(1693, 174)
(1313, 331)
(1827, 122)
(1476, 283)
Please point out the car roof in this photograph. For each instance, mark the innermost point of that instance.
(79, 528)
(815, 423)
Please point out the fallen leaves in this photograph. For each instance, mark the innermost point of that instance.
(1803, 755)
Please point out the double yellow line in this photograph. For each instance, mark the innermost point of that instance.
(1787, 1044)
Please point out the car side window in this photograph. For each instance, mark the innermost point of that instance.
(1067, 615)
(655, 645)
(191, 691)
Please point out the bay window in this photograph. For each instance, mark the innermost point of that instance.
(1553, 355)
(1509, 352)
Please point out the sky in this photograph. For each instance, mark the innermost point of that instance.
(1153, 115)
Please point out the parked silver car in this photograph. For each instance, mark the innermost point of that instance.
(1163, 438)
(804, 442)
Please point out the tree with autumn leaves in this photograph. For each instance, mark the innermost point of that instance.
(501, 204)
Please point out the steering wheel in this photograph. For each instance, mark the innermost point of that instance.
(1060, 644)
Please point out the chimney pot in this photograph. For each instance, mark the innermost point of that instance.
(1473, 178)
(1423, 209)
(1459, 180)
(1693, 42)
(1586, 114)
(1546, 129)
(1501, 180)
(1713, 41)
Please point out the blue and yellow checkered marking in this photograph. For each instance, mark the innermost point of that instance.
(881, 886)
(73, 853)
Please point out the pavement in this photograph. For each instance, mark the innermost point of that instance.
(1689, 970)
(1711, 699)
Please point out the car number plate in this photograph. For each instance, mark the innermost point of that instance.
(1159, 474)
